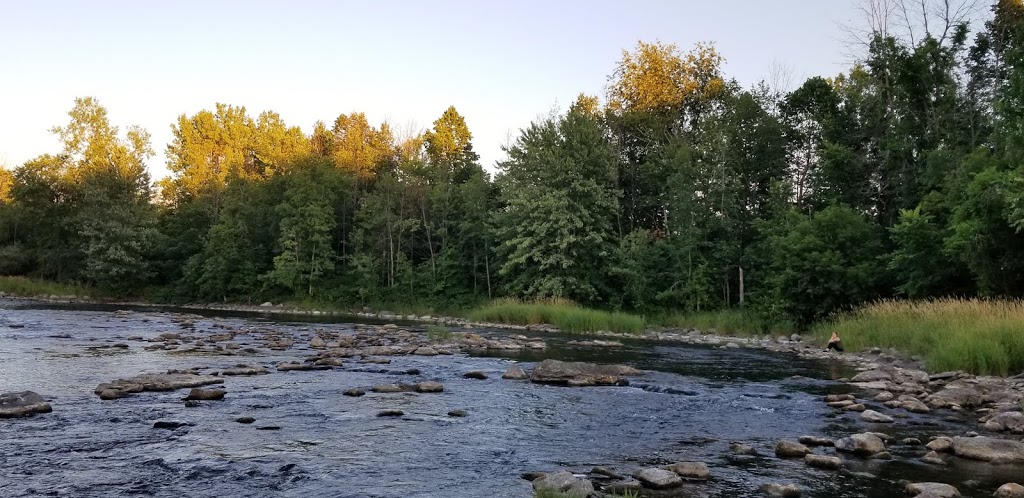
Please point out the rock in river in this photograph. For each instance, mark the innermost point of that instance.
(515, 372)
(790, 449)
(783, 490)
(154, 382)
(565, 484)
(475, 374)
(989, 449)
(932, 490)
(691, 470)
(657, 478)
(1010, 490)
(823, 462)
(861, 444)
(875, 417)
(22, 404)
(429, 387)
(206, 394)
(579, 373)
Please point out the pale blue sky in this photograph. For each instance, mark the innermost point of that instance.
(501, 64)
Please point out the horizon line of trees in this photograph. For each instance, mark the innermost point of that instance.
(680, 191)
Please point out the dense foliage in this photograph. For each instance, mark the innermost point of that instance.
(903, 176)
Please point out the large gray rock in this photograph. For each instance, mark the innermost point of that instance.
(657, 478)
(691, 470)
(875, 417)
(1006, 421)
(780, 490)
(22, 404)
(861, 444)
(579, 373)
(429, 386)
(790, 449)
(154, 382)
(1009, 490)
(871, 376)
(205, 394)
(823, 461)
(515, 372)
(989, 449)
(940, 444)
(932, 490)
(565, 483)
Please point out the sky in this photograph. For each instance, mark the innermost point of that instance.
(500, 63)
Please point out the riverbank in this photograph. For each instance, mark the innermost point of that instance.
(980, 337)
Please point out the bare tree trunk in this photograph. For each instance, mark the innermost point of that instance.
(741, 286)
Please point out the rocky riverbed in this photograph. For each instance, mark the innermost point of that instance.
(161, 403)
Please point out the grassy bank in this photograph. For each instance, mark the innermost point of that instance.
(726, 322)
(25, 287)
(564, 315)
(973, 335)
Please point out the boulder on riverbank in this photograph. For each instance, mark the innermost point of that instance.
(205, 394)
(861, 444)
(1010, 490)
(580, 373)
(932, 490)
(790, 449)
(565, 484)
(989, 449)
(154, 383)
(515, 372)
(22, 404)
(658, 478)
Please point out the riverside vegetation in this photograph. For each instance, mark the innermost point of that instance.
(680, 196)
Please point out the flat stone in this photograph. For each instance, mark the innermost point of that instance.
(859, 407)
(657, 478)
(790, 449)
(871, 376)
(691, 470)
(742, 449)
(245, 420)
(169, 424)
(832, 398)
(875, 417)
(816, 441)
(22, 404)
(244, 370)
(425, 351)
(515, 372)
(861, 444)
(932, 490)
(457, 413)
(565, 484)
(429, 387)
(884, 396)
(354, 392)
(933, 458)
(940, 444)
(780, 490)
(989, 449)
(823, 461)
(390, 413)
(205, 394)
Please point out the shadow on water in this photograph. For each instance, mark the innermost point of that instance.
(309, 440)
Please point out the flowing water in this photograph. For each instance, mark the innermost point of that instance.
(309, 440)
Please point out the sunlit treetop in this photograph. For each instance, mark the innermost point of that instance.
(657, 78)
(449, 139)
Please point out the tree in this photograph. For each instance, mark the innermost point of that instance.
(109, 193)
(827, 262)
(306, 256)
(558, 224)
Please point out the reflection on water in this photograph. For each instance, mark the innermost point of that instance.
(691, 404)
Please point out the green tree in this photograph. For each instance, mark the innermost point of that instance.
(826, 262)
(558, 224)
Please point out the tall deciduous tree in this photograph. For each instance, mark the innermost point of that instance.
(558, 223)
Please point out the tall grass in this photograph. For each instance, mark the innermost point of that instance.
(565, 315)
(728, 322)
(26, 287)
(980, 336)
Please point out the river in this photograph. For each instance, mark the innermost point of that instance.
(309, 440)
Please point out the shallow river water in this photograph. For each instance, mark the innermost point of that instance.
(690, 404)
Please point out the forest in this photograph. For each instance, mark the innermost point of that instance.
(678, 190)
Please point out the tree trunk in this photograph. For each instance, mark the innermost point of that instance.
(741, 286)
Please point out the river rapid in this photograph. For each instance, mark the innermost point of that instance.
(309, 440)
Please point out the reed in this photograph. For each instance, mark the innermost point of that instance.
(980, 336)
(563, 314)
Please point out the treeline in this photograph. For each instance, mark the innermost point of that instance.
(679, 191)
